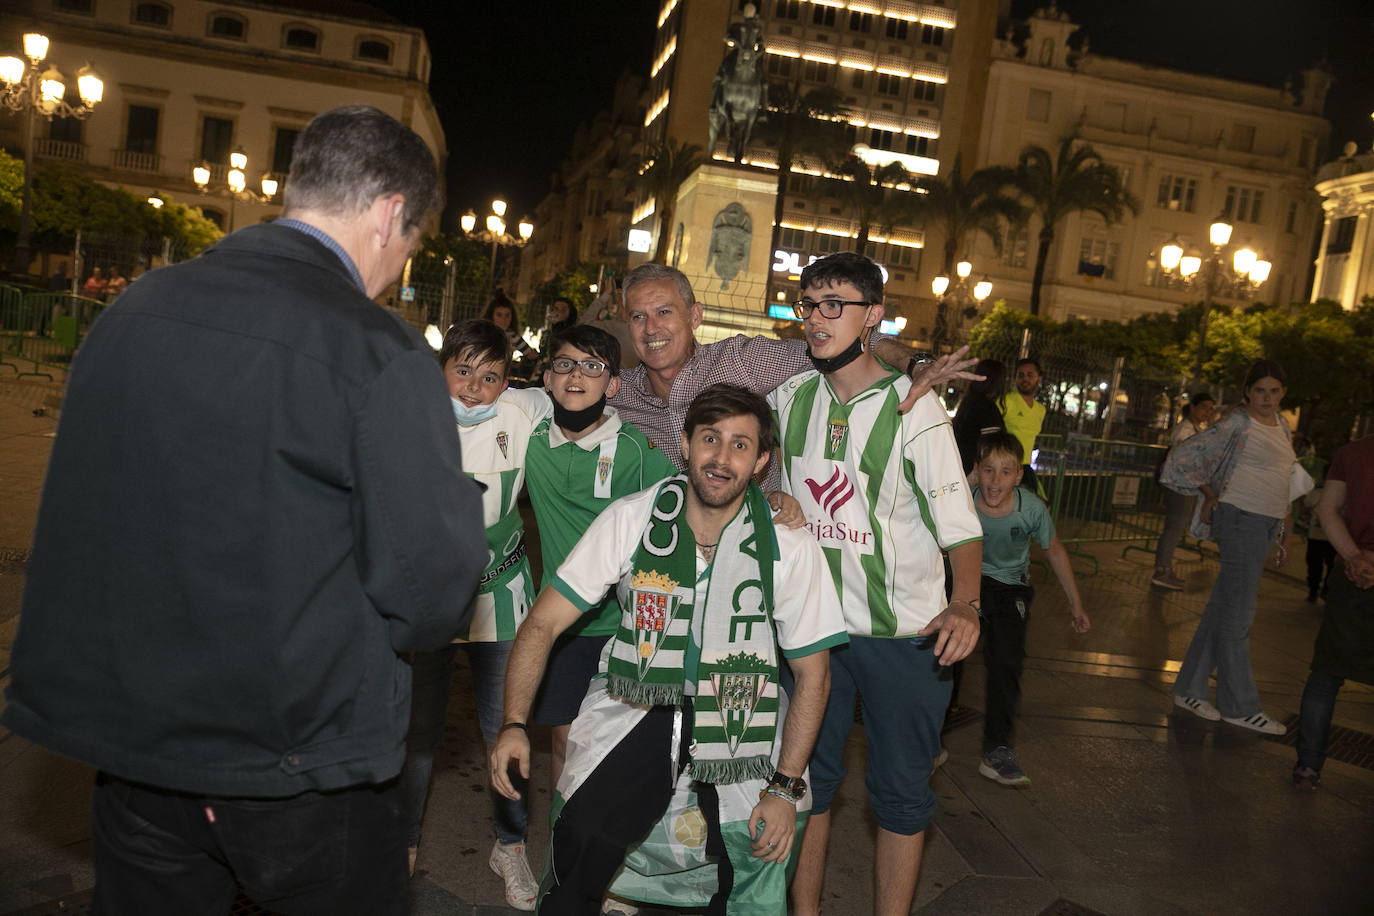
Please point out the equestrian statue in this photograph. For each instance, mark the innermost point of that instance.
(739, 90)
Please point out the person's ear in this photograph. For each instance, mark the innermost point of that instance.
(613, 386)
(695, 313)
(875, 315)
(761, 463)
(387, 219)
(1020, 472)
(686, 448)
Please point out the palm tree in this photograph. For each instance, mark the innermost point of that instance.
(1074, 180)
(662, 167)
(799, 123)
(957, 207)
(869, 197)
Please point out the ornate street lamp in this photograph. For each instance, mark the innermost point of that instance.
(496, 234)
(236, 182)
(32, 93)
(1211, 274)
(958, 299)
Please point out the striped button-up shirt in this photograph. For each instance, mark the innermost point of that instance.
(757, 363)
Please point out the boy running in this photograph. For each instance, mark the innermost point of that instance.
(884, 494)
(1011, 515)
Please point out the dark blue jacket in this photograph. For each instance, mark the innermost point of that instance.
(254, 504)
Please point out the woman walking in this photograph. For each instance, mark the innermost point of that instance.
(1241, 467)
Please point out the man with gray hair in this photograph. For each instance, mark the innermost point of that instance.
(663, 313)
(256, 505)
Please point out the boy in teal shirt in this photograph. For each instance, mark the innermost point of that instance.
(1011, 515)
(578, 462)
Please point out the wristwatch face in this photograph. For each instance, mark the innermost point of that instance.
(794, 786)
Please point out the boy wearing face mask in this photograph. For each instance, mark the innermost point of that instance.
(581, 460)
(494, 427)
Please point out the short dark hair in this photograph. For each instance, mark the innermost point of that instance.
(724, 400)
(1200, 397)
(650, 272)
(1264, 368)
(994, 377)
(1028, 361)
(1000, 441)
(346, 158)
(484, 340)
(846, 267)
(588, 339)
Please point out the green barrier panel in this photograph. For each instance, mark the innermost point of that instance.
(1104, 491)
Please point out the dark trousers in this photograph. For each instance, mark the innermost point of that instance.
(1321, 556)
(616, 807)
(1006, 610)
(157, 851)
(1314, 719)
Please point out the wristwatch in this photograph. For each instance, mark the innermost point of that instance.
(793, 787)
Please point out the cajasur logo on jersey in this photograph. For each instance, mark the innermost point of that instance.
(834, 516)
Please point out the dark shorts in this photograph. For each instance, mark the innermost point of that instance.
(573, 662)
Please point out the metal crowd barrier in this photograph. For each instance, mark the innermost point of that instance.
(1102, 491)
(40, 331)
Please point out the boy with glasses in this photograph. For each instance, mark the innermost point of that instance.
(884, 494)
(579, 461)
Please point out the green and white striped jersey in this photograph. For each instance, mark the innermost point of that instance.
(883, 493)
(494, 455)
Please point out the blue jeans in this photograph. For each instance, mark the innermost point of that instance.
(432, 674)
(905, 693)
(1314, 722)
(1222, 640)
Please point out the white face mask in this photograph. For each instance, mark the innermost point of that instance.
(471, 416)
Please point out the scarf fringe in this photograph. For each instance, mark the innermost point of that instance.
(726, 772)
(634, 691)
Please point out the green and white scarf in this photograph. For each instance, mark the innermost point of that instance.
(736, 703)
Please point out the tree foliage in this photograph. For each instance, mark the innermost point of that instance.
(64, 202)
(1073, 179)
(1325, 350)
(868, 196)
(662, 168)
(957, 207)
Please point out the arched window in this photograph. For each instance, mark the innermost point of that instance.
(301, 38)
(227, 25)
(154, 14)
(374, 49)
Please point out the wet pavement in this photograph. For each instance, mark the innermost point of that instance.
(1131, 810)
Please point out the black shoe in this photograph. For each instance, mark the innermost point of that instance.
(1306, 778)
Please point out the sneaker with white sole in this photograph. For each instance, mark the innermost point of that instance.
(1000, 765)
(522, 891)
(614, 906)
(1259, 722)
(1164, 577)
(1200, 708)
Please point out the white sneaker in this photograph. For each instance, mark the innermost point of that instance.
(614, 906)
(522, 891)
(1259, 722)
(1200, 708)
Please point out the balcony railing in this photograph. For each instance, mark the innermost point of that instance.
(137, 162)
(65, 150)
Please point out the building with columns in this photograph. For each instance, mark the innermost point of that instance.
(1345, 258)
(1189, 147)
(190, 81)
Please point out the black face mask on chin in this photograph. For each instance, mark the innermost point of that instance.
(827, 366)
(578, 420)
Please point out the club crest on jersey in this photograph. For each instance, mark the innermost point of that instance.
(838, 428)
(654, 605)
(739, 681)
(501, 440)
(603, 469)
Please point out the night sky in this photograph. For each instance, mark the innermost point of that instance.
(512, 80)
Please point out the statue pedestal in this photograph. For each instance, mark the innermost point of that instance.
(726, 214)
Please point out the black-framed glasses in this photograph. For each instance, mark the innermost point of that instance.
(830, 308)
(591, 368)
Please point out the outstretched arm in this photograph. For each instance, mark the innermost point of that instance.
(1063, 571)
(551, 615)
(930, 375)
